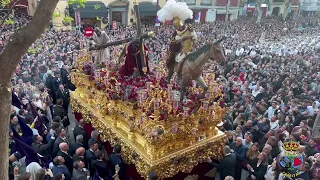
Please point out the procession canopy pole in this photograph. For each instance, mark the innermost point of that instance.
(114, 43)
(139, 32)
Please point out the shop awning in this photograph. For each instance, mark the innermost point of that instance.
(148, 9)
(92, 9)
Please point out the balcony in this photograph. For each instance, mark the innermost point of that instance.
(206, 2)
(221, 2)
(189, 2)
(233, 3)
(277, 1)
(295, 2)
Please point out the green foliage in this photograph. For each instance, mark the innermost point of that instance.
(68, 19)
(56, 14)
(4, 3)
(32, 51)
(79, 2)
(96, 6)
(9, 21)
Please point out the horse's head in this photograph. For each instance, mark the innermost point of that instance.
(217, 52)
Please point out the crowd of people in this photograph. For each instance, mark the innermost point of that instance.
(271, 87)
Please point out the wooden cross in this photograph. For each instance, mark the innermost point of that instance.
(139, 37)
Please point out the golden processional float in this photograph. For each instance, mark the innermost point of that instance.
(145, 117)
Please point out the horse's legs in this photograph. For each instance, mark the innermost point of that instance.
(203, 84)
(170, 73)
(183, 88)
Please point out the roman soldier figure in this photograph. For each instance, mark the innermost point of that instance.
(182, 41)
(184, 36)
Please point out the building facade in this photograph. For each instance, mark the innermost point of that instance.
(122, 12)
(109, 11)
(308, 7)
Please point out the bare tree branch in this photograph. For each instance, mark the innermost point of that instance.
(8, 14)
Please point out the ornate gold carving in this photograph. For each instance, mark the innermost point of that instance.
(178, 143)
(187, 45)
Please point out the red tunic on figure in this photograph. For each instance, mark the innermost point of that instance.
(132, 59)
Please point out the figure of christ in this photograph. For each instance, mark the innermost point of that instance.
(100, 37)
(132, 62)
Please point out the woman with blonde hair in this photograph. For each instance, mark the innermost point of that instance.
(251, 154)
(230, 137)
(258, 167)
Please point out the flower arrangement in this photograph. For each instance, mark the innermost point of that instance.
(126, 88)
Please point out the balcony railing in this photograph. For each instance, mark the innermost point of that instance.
(233, 3)
(277, 1)
(189, 2)
(221, 2)
(295, 2)
(206, 2)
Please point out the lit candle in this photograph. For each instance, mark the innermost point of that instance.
(211, 112)
(158, 75)
(170, 86)
(145, 93)
(208, 95)
(118, 86)
(140, 97)
(205, 104)
(149, 86)
(170, 96)
(156, 104)
(186, 111)
(176, 104)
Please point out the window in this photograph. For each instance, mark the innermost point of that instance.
(189, 2)
(206, 2)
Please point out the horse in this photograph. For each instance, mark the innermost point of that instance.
(191, 69)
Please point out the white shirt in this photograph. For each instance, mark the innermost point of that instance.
(274, 125)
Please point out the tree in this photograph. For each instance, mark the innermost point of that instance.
(17, 46)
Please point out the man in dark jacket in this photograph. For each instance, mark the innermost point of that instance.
(56, 81)
(59, 111)
(63, 94)
(43, 149)
(240, 152)
(101, 167)
(116, 159)
(227, 164)
(79, 130)
(93, 147)
(79, 155)
(64, 75)
(77, 144)
(60, 139)
(48, 84)
(63, 152)
(311, 148)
